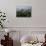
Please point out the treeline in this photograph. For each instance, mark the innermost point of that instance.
(23, 13)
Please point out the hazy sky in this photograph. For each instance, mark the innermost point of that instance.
(24, 6)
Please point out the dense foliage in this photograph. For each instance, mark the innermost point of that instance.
(23, 13)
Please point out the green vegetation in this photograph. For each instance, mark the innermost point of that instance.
(23, 13)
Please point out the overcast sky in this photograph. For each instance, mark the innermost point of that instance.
(23, 6)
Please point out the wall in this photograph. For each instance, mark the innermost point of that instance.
(9, 7)
(38, 13)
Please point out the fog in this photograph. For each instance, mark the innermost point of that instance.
(23, 6)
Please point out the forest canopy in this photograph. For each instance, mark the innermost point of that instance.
(24, 13)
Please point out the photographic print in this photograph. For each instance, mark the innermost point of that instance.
(24, 10)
